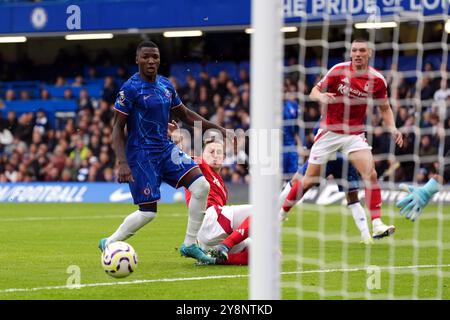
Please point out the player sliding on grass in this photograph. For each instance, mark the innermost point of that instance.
(144, 105)
(344, 93)
(220, 220)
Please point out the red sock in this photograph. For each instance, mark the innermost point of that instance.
(373, 200)
(238, 235)
(293, 196)
(240, 258)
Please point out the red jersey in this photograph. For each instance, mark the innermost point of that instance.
(352, 91)
(218, 193)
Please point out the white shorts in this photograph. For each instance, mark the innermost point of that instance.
(219, 223)
(327, 143)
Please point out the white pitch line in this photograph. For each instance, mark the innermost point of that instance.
(120, 283)
(60, 218)
(111, 216)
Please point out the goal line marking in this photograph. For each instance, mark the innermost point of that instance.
(134, 282)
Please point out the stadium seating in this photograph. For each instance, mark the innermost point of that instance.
(181, 70)
(94, 90)
(51, 108)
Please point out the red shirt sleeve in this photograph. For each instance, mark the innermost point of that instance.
(381, 91)
(327, 81)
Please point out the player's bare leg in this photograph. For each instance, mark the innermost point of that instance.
(300, 187)
(362, 160)
(297, 176)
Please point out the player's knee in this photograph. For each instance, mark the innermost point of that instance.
(199, 188)
(373, 175)
(309, 182)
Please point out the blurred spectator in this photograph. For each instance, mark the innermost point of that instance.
(79, 81)
(79, 151)
(402, 115)
(6, 136)
(66, 176)
(108, 175)
(443, 92)
(60, 81)
(24, 128)
(86, 102)
(427, 89)
(422, 176)
(24, 95)
(110, 90)
(68, 94)
(10, 95)
(243, 77)
(106, 112)
(92, 73)
(41, 122)
(45, 95)
(122, 74)
(190, 94)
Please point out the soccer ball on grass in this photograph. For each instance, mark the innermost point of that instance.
(119, 259)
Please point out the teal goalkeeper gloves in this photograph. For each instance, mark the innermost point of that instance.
(417, 199)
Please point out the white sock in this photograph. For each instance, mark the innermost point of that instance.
(284, 194)
(130, 225)
(359, 215)
(199, 190)
(376, 222)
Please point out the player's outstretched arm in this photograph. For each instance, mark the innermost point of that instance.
(189, 117)
(418, 197)
(118, 142)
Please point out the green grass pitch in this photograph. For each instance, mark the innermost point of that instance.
(38, 242)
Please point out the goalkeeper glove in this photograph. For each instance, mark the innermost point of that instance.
(417, 199)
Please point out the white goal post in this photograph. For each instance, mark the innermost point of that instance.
(266, 102)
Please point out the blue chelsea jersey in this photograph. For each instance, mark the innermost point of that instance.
(147, 105)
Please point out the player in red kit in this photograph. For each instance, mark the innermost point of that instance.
(222, 225)
(344, 94)
(221, 221)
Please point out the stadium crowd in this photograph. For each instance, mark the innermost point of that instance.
(33, 149)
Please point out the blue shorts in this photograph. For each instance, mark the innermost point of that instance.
(290, 162)
(336, 168)
(148, 174)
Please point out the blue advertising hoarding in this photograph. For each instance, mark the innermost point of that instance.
(95, 192)
(76, 16)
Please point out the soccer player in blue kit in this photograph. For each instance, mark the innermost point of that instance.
(142, 109)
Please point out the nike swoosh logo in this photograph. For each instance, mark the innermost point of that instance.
(146, 97)
(119, 195)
